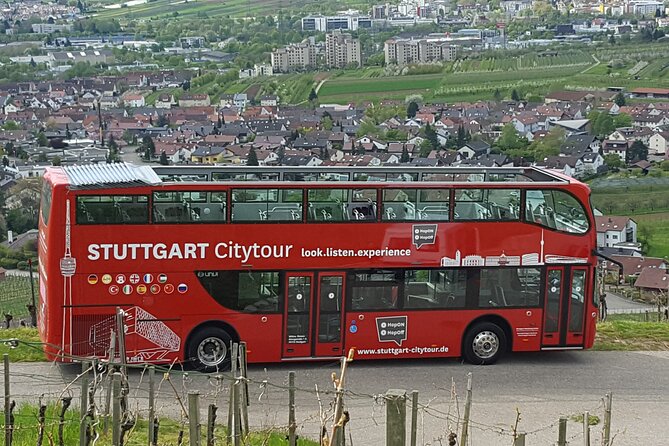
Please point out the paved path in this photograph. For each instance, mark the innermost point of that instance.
(542, 386)
(619, 304)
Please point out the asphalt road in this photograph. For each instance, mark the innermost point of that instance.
(542, 386)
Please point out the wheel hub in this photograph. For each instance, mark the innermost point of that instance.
(485, 344)
(211, 351)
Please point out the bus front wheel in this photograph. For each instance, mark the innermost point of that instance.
(208, 350)
(484, 344)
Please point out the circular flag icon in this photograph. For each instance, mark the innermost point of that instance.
(182, 288)
(120, 279)
(141, 288)
(155, 289)
(134, 278)
(127, 289)
(162, 278)
(148, 278)
(107, 279)
(169, 288)
(92, 279)
(113, 290)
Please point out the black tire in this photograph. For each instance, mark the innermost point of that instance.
(208, 350)
(484, 344)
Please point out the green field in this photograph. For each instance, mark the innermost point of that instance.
(658, 226)
(345, 86)
(644, 198)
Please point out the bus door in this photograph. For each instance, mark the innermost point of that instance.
(313, 315)
(564, 315)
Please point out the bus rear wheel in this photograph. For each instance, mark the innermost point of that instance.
(208, 350)
(484, 344)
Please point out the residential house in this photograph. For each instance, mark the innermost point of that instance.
(240, 100)
(194, 100)
(657, 144)
(579, 143)
(613, 230)
(474, 149)
(209, 155)
(567, 165)
(133, 100)
(165, 101)
(634, 265)
(591, 163)
(526, 124)
(269, 101)
(617, 147)
(653, 280)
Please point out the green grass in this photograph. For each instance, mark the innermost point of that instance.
(29, 350)
(345, 86)
(26, 429)
(15, 294)
(658, 226)
(629, 335)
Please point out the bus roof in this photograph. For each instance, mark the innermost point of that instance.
(94, 176)
(98, 176)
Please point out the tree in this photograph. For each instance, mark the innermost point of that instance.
(510, 140)
(56, 161)
(42, 141)
(497, 95)
(11, 125)
(514, 95)
(613, 161)
(252, 160)
(5, 161)
(312, 95)
(622, 120)
(163, 121)
(412, 109)
(425, 149)
(549, 145)
(149, 147)
(461, 138)
(619, 99)
(431, 136)
(405, 158)
(163, 158)
(612, 39)
(603, 125)
(326, 123)
(637, 152)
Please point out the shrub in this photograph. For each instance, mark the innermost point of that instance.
(22, 265)
(8, 263)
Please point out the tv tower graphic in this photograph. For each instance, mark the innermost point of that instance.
(68, 266)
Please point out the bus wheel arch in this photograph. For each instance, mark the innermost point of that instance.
(207, 346)
(486, 339)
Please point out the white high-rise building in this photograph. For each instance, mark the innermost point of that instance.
(341, 50)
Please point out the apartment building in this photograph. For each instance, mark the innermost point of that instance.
(341, 49)
(406, 51)
(294, 57)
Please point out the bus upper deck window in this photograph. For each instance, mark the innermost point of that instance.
(556, 210)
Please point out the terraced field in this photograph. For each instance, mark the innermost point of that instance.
(211, 8)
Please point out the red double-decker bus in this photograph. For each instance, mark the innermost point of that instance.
(306, 263)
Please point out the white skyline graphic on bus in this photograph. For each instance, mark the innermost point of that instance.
(527, 259)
